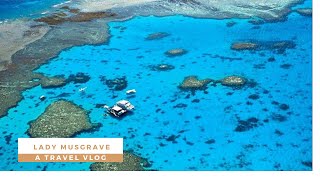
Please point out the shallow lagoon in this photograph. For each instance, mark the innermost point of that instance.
(203, 125)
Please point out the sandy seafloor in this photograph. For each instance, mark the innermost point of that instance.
(210, 115)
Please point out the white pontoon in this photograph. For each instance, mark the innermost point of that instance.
(120, 108)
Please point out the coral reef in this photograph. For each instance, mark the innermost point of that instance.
(15, 35)
(239, 46)
(304, 11)
(234, 81)
(61, 119)
(76, 16)
(71, 10)
(192, 83)
(117, 84)
(52, 82)
(161, 67)
(19, 75)
(247, 125)
(131, 162)
(88, 16)
(278, 117)
(279, 47)
(157, 36)
(78, 78)
(10, 90)
(53, 19)
(176, 52)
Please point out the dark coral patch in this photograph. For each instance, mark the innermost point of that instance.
(307, 163)
(172, 138)
(278, 117)
(271, 59)
(8, 138)
(247, 124)
(304, 11)
(180, 105)
(99, 105)
(231, 23)
(78, 78)
(256, 21)
(157, 36)
(210, 141)
(285, 66)
(279, 47)
(278, 132)
(284, 107)
(254, 96)
(117, 84)
(195, 101)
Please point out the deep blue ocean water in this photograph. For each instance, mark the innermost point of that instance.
(273, 145)
(11, 9)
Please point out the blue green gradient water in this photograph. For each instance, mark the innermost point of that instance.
(11, 9)
(273, 145)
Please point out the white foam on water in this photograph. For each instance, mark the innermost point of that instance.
(45, 12)
(60, 4)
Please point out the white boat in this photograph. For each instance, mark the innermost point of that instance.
(120, 108)
(42, 98)
(131, 92)
(125, 105)
(82, 89)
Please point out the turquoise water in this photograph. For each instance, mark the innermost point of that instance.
(11, 9)
(163, 110)
(304, 4)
